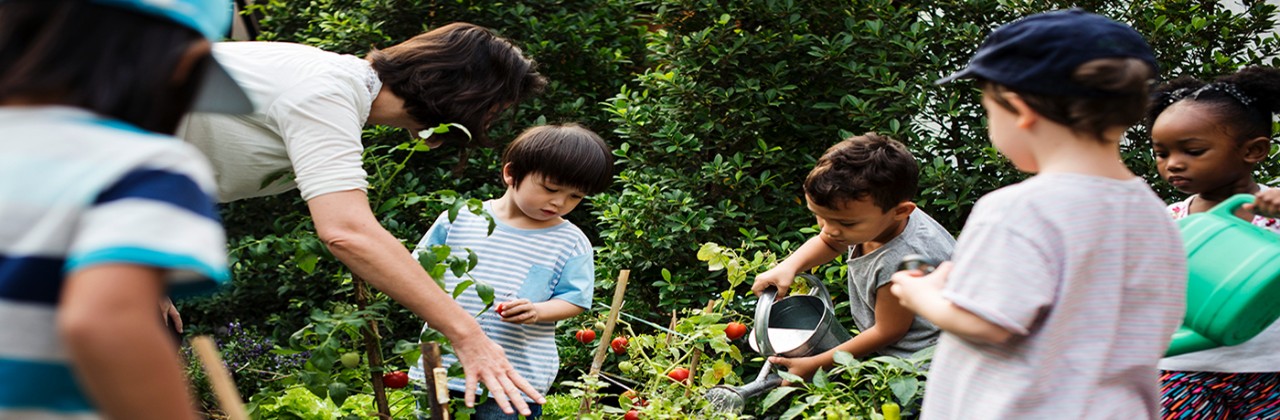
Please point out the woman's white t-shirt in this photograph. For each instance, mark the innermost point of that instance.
(310, 108)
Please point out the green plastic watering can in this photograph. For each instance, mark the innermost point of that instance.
(1233, 284)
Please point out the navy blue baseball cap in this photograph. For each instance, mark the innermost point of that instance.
(1039, 53)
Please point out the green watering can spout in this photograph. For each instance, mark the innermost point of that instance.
(1233, 283)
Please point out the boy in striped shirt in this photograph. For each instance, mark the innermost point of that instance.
(543, 263)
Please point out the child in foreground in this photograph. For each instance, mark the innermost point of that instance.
(1065, 288)
(860, 191)
(103, 210)
(1208, 137)
(534, 256)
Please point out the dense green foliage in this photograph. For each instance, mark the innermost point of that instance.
(716, 110)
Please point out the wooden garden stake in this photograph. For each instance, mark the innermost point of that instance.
(223, 387)
(607, 335)
(437, 381)
(372, 349)
(697, 354)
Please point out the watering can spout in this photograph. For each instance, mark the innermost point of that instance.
(1187, 341)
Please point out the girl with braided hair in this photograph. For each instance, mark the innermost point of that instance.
(1208, 136)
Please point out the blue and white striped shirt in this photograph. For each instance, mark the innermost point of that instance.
(535, 264)
(77, 191)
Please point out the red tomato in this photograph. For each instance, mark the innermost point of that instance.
(396, 379)
(585, 335)
(679, 374)
(631, 415)
(619, 345)
(735, 330)
(499, 309)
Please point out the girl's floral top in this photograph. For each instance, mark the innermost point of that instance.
(1180, 209)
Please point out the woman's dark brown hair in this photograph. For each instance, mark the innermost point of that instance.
(458, 73)
(1126, 80)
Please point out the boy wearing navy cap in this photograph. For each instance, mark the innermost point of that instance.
(104, 212)
(1065, 288)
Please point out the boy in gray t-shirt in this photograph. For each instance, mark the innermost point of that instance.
(860, 191)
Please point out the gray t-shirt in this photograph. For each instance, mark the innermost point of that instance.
(867, 273)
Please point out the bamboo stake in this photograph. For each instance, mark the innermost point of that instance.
(219, 378)
(697, 355)
(603, 347)
(437, 389)
(372, 350)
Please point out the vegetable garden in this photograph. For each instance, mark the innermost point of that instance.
(715, 111)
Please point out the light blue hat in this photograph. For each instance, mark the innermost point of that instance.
(211, 18)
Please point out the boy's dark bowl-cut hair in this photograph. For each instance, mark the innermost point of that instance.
(108, 60)
(568, 154)
(458, 73)
(870, 165)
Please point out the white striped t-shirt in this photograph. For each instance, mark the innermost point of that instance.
(77, 191)
(1089, 274)
(535, 264)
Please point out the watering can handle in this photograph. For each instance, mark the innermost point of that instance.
(818, 289)
(763, 306)
(1229, 206)
(1187, 341)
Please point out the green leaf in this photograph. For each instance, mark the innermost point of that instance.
(843, 358)
(472, 259)
(820, 379)
(307, 262)
(461, 288)
(776, 395)
(338, 392)
(789, 377)
(904, 388)
(795, 411)
(485, 291)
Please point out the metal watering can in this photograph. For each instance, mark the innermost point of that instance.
(810, 325)
(1233, 285)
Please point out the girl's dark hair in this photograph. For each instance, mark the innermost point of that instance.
(868, 165)
(1244, 100)
(107, 60)
(568, 154)
(458, 73)
(1126, 79)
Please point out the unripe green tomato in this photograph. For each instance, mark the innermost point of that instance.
(350, 360)
(626, 367)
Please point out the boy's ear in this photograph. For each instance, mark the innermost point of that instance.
(506, 176)
(1027, 117)
(903, 209)
(1256, 149)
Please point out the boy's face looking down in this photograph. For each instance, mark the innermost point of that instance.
(540, 199)
(859, 221)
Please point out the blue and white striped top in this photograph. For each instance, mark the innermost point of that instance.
(77, 191)
(535, 264)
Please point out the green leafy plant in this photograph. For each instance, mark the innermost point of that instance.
(858, 388)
